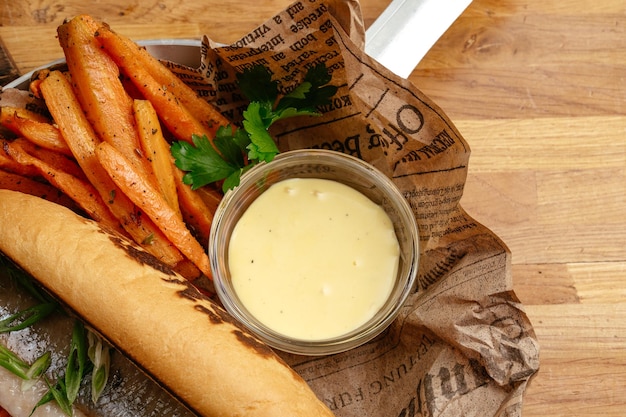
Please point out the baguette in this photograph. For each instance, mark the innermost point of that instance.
(182, 339)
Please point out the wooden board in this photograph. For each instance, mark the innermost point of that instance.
(538, 89)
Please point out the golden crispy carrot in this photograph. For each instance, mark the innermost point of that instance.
(148, 198)
(195, 212)
(201, 109)
(10, 165)
(42, 133)
(57, 160)
(34, 87)
(174, 115)
(27, 185)
(211, 196)
(82, 192)
(95, 78)
(157, 150)
(188, 269)
(82, 140)
(23, 113)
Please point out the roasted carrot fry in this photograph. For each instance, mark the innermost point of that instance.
(80, 137)
(203, 283)
(95, 78)
(34, 87)
(195, 212)
(157, 150)
(189, 270)
(211, 197)
(201, 109)
(147, 197)
(57, 160)
(10, 165)
(23, 113)
(174, 115)
(82, 192)
(15, 182)
(39, 132)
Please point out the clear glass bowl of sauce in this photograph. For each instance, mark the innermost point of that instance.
(315, 253)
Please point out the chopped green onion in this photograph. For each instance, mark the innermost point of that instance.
(100, 355)
(27, 317)
(76, 362)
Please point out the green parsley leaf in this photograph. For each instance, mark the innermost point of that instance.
(232, 180)
(257, 120)
(313, 92)
(229, 148)
(223, 158)
(204, 163)
(257, 85)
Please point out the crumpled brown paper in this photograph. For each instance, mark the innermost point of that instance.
(462, 344)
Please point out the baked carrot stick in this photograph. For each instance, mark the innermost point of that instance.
(27, 185)
(174, 115)
(201, 109)
(195, 212)
(82, 192)
(23, 113)
(95, 78)
(82, 140)
(39, 132)
(211, 196)
(10, 165)
(157, 150)
(148, 198)
(57, 160)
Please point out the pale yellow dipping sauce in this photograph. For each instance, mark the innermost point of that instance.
(313, 259)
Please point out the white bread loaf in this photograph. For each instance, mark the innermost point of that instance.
(182, 339)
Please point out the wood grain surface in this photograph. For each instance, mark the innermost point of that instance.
(538, 89)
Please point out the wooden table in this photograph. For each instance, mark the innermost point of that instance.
(538, 89)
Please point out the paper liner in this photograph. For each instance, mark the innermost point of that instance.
(463, 344)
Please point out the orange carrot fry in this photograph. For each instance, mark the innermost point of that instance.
(195, 212)
(83, 193)
(157, 150)
(59, 161)
(80, 137)
(23, 113)
(174, 115)
(10, 165)
(26, 185)
(211, 196)
(147, 197)
(39, 132)
(189, 270)
(34, 87)
(201, 109)
(95, 78)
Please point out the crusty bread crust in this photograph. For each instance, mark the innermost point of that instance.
(181, 338)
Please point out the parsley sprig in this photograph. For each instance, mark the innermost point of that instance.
(234, 150)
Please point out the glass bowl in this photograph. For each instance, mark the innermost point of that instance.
(326, 165)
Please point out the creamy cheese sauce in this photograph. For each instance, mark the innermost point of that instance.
(313, 258)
